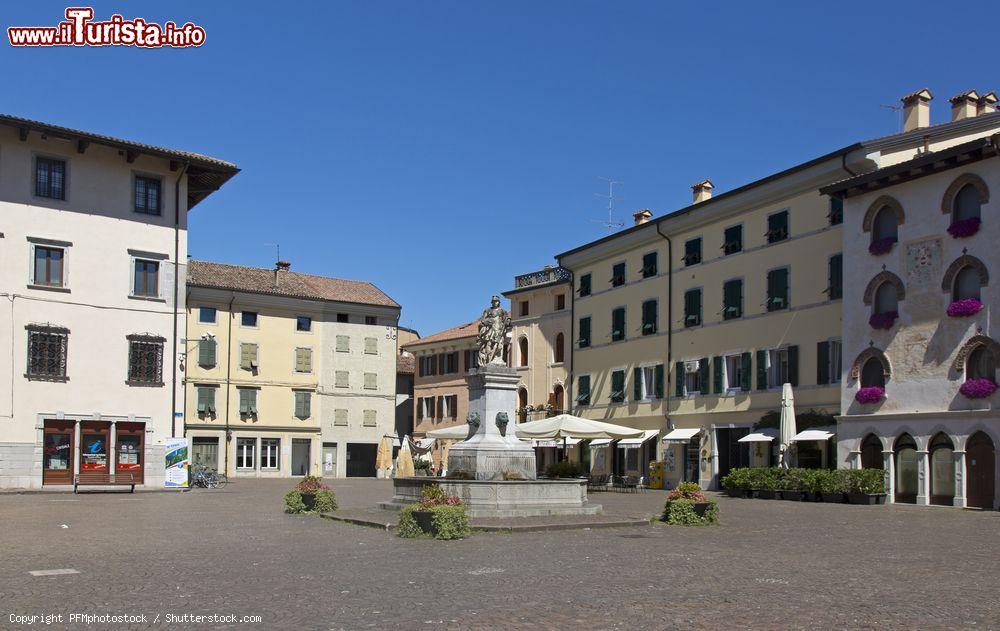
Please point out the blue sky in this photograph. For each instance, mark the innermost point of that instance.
(439, 148)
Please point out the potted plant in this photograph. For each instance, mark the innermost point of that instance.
(737, 482)
(310, 495)
(438, 515)
(978, 388)
(964, 228)
(687, 506)
(812, 480)
(869, 395)
(792, 485)
(866, 486)
(767, 484)
(883, 320)
(881, 246)
(832, 487)
(422, 467)
(964, 308)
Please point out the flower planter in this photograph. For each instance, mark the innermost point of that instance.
(792, 496)
(869, 394)
(700, 508)
(883, 321)
(978, 388)
(964, 308)
(309, 499)
(832, 497)
(810, 496)
(425, 520)
(964, 228)
(766, 494)
(867, 499)
(736, 492)
(881, 246)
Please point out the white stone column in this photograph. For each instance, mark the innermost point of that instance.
(889, 466)
(112, 446)
(854, 459)
(961, 490)
(923, 477)
(77, 440)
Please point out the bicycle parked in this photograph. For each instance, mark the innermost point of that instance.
(208, 478)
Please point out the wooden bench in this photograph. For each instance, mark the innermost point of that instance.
(104, 479)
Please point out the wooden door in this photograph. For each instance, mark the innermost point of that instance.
(871, 453)
(130, 446)
(57, 452)
(980, 462)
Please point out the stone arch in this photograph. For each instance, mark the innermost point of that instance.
(884, 276)
(948, 201)
(877, 205)
(864, 356)
(966, 260)
(970, 345)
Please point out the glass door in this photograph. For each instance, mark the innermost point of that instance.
(129, 449)
(94, 447)
(57, 452)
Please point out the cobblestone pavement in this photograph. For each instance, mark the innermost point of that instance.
(770, 564)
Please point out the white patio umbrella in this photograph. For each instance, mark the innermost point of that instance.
(786, 430)
(458, 432)
(568, 426)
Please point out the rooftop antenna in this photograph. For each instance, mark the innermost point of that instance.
(610, 224)
(896, 108)
(277, 250)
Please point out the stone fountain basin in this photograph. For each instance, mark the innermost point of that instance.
(502, 498)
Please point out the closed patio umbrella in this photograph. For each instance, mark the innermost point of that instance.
(383, 457)
(404, 460)
(786, 430)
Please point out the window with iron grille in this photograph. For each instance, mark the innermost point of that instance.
(50, 178)
(147, 195)
(146, 279)
(47, 353)
(145, 360)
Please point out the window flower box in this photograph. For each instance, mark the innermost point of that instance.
(883, 320)
(881, 246)
(870, 394)
(978, 388)
(964, 308)
(964, 228)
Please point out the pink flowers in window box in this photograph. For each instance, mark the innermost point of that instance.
(870, 394)
(883, 320)
(881, 246)
(964, 227)
(978, 388)
(964, 308)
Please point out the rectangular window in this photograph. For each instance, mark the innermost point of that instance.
(692, 251)
(649, 317)
(303, 404)
(269, 450)
(206, 400)
(428, 366)
(696, 377)
(732, 299)
(303, 360)
(50, 178)
(584, 289)
(584, 340)
(734, 372)
(303, 323)
(245, 448)
(450, 363)
(248, 401)
(371, 320)
(776, 364)
(618, 275)
(146, 281)
(248, 319)
(777, 289)
(340, 378)
(248, 356)
(836, 214)
(368, 417)
(145, 360)
(206, 353)
(523, 308)
(583, 390)
(828, 362)
(560, 302)
(835, 277)
(649, 265)
(692, 307)
(618, 324)
(371, 381)
(207, 315)
(147, 195)
(342, 318)
(371, 346)
(428, 410)
(340, 417)
(733, 240)
(617, 386)
(343, 344)
(836, 351)
(648, 382)
(47, 353)
(452, 405)
(777, 227)
(48, 266)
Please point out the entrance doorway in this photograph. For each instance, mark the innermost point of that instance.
(732, 454)
(94, 439)
(300, 456)
(906, 469)
(361, 460)
(871, 453)
(130, 439)
(942, 471)
(57, 452)
(692, 457)
(329, 460)
(980, 459)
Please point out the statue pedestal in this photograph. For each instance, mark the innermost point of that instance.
(493, 450)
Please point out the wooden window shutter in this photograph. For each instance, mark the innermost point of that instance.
(454, 406)
(440, 406)
(703, 376)
(583, 390)
(343, 344)
(823, 363)
(762, 370)
(206, 353)
(307, 359)
(793, 365)
(658, 380)
(340, 417)
(717, 375)
(679, 379)
(203, 400)
(244, 404)
(298, 404)
(618, 385)
(306, 404)
(245, 359)
(745, 361)
(371, 346)
(420, 408)
(371, 382)
(430, 407)
(637, 384)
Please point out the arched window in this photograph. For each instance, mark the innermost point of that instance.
(872, 373)
(942, 470)
(522, 351)
(558, 398)
(906, 469)
(967, 204)
(559, 350)
(885, 225)
(885, 299)
(980, 364)
(871, 453)
(967, 284)
(522, 404)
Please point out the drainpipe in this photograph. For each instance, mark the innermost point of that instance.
(229, 368)
(177, 280)
(670, 318)
(572, 344)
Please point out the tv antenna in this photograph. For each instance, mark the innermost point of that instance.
(277, 250)
(610, 224)
(899, 109)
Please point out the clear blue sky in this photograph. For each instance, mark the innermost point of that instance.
(439, 148)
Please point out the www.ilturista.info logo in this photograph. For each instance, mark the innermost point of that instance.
(80, 29)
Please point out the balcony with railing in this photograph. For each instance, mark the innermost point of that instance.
(548, 275)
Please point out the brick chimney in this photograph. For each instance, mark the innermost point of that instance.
(987, 104)
(964, 105)
(702, 191)
(642, 216)
(279, 268)
(917, 110)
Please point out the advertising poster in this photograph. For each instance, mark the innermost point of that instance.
(177, 463)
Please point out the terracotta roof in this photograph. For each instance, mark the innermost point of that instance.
(405, 364)
(292, 284)
(968, 95)
(922, 93)
(469, 329)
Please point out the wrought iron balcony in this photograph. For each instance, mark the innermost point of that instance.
(544, 276)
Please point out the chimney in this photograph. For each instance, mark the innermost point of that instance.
(964, 105)
(917, 110)
(987, 104)
(279, 267)
(642, 216)
(702, 191)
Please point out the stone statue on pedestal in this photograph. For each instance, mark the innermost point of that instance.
(493, 328)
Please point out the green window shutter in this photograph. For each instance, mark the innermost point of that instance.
(583, 390)
(584, 332)
(835, 282)
(793, 365)
(649, 265)
(637, 384)
(253, 401)
(307, 359)
(206, 353)
(762, 370)
(203, 400)
(649, 317)
(717, 375)
(307, 404)
(823, 363)
(703, 369)
(585, 285)
(747, 371)
(300, 360)
(211, 400)
(618, 386)
(298, 404)
(679, 379)
(618, 324)
(777, 289)
(244, 401)
(658, 380)
(247, 356)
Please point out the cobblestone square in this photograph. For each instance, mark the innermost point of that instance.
(770, 564)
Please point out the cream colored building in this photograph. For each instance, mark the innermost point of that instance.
(287, 374)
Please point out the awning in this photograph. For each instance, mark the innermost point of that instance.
(765, 436)
(635, 443)
(570, 442)
(812, 434)
(600, 442)
(682, 435)
(425, 443)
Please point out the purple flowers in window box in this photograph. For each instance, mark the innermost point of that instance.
(978, 388)
(870, 394)
(964, 308)
(964, 227)
(883, 320)
(881, 246)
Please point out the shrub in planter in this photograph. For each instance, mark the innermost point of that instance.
(833, 486)
(310, 495)
(977, 388)
(964, 308)
(881, 246)
(438, 515)
(687, 506)
(812, 482)
(738, 481)
(964, 228)
(792, 484)
(865, 486)
(566, 469)
(883, 320)
(422, 467)
(869, 394)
